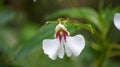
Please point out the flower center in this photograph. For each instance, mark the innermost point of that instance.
(61, 34)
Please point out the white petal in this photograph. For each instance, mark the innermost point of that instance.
(51, 47)
(68, 52)
(75, 44)
(61, 51)
(60, 26)
(117, 20)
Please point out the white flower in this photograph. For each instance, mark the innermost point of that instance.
(63, 43)
(117, 20)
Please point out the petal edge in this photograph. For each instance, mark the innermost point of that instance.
(50, 47)
(76, 44)
(117, 20)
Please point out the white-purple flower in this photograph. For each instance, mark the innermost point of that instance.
(62, 43)
(117, 20)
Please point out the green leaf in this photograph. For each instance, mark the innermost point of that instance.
(73, 26)
(6, 16)
(46, 32)
(86, 13)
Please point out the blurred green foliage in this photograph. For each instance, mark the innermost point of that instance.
(105, 38)
(22, 30)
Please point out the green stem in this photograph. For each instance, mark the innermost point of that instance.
(103, 56)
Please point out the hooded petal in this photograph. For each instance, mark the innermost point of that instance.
(117, 20)
(60, 26)
(51, 47)
(75, 45)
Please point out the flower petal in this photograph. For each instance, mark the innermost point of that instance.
(75, 45)
(68, 51)
(51, 47)
(117, 20)
(61, 51)
(60, 26)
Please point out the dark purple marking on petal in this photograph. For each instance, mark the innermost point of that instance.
(61, 34)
